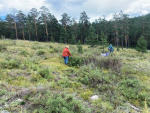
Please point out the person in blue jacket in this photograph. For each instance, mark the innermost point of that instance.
(110, 48)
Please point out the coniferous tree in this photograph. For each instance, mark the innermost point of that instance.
(74, 28)
(65, 21)
(84, 26)
(44, 18)
(14, 12)
(103, 40)
(34, 14)
(9, 26)
(29, 29)
(62, 38)
(72, 39)
(141, 45)
(92, 38)
(79, 46)
(21, 18)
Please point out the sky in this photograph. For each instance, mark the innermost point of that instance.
(93, 8)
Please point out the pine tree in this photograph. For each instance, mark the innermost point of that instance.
(92, 38)
(103, 40)
(79, 46)
(141, 45)
(72, 40)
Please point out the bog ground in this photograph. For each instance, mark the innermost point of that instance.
(34, 79)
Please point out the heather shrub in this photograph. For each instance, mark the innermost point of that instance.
(133, 90)
(24, 53)
(52, 51)
(75, 61)
(45, 72)
(35, 47)
(11, 64)
(130, 88)
(113, 63)
(93, 77)
(2, 47)
(79, 46)
(58, 103)
(40, 52)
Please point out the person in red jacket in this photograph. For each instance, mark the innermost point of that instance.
(66, 53)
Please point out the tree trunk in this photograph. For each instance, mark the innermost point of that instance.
(85, 34)
(97, 36)
(54, 36)
(35, 29)
(16, 30)
(46, 28)
(29, 36)
(117, 39)
(128, 40)
(23, 32)
(65, 28)
(122, 43)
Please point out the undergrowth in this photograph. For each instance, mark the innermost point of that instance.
(35, 73)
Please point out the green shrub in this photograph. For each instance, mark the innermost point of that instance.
(141, 45)
(117, 48)
(113, 63)
(11, 64)
(45, 73)
(2, 47)
(92, 76)
(57, 50)
(2, 92)
(35, 78)
(34, 67)
(75, 61)
(86, 94)
(50, 46)
(40, 52)
(79, 46)
(52, 51)
(59, 103)
(130, 88)
(24, 53)
(35, 47)
(13, 42)
(22, 102)
(102, 107)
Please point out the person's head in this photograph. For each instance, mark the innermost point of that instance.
(110, 44)
(67, 47)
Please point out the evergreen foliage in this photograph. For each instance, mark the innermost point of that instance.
(79, 46)
(43, 26)
(91, 39)
(141, 45)
(104, 41)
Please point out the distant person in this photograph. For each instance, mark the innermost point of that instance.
(110, 48)
(66, 54)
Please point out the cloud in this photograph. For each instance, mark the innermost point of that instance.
(139, 7)
(23, 5)
(93, 8)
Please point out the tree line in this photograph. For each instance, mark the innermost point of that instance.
(43, 26)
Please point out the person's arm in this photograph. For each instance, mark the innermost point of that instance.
(69, 53)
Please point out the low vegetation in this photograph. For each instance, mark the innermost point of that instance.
(34, 79)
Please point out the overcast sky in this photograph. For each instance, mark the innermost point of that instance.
(93, 8)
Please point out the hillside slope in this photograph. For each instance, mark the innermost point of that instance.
(34, 79)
